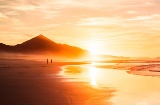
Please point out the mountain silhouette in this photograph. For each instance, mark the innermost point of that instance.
(43, 45)
(4, 48)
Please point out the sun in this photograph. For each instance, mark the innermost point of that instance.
(93, 51)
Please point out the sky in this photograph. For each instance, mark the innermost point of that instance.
(112, 27)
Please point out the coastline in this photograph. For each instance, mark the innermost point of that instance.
(26, 82)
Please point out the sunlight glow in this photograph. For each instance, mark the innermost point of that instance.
(93, 63)
(93, 75)
(93, 50)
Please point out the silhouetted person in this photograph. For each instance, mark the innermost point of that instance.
(51, 60)
(47, 61)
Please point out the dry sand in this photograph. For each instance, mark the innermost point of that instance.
(24, 82)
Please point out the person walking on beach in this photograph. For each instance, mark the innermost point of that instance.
(47, 61)
(51, 60)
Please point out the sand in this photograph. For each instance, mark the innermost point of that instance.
(26, 82)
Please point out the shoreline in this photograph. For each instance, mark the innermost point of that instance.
(37, 83)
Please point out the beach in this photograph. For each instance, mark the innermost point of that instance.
(29, 82)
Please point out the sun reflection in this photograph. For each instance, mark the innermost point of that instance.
(93, 63)
(93, 75)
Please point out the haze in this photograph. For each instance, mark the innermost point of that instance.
(125, 27)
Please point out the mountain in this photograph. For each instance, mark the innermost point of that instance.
(43, 45)
(4, 48)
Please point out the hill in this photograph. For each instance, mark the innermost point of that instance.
(43, 46)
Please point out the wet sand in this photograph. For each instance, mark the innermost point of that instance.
(24, 82)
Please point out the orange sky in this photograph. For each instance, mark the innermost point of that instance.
(114, 27)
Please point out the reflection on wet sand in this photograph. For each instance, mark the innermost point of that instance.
(130, 89)
(36, 83)
(92, 73)
(88, 76)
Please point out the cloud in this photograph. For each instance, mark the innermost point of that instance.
(50, 14)
(131, 12)
(99, 21)
(12, 13)
(24, 7)
(153, 16)
(3, 15)
(20, 7)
